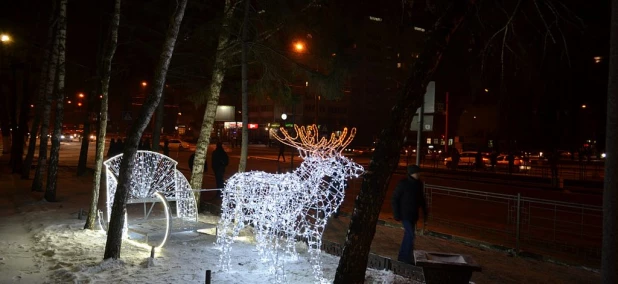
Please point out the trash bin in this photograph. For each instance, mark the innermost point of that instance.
(439, 267)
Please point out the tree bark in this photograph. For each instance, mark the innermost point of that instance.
(37, 182)
(105, 72)
(353, 262)
(19, 140)
(52, 174)
(40, 100)
(218, 74)
(83, 150)
(244, 148)
(114, 233)
(609, 262)
(156, 131)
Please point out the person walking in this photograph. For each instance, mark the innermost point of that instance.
(455, 159)
(281, 152)
(406, 201)
(219, 162)
(166, 148)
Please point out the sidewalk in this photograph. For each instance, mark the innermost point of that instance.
(498, 266)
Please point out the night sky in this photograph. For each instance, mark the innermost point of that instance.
(543, 88)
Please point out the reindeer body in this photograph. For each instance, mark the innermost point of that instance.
(283, 207)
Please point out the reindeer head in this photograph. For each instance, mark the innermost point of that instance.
(320, 150)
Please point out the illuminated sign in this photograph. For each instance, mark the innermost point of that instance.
(252, 126)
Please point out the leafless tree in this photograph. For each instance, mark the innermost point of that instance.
(114, 233)
(105, 74)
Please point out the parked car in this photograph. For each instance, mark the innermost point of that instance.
(358, 151)
(176, 145)
(467, 159)
(502, 162)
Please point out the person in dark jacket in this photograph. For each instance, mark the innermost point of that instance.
(406, 201)
(219, 162)
(166, 148)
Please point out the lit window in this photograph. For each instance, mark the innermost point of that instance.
(398, 64)
(419, 29)
(428, 140)
(397, 54)
(375, 19)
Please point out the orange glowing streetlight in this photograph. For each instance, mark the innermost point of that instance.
(144, 84)
(79, 104)
(583, 106)
(5, 38)
(81, 95)
(299, 46)
(69, 102)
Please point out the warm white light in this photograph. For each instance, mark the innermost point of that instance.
(144, 84)
(597, 59)
(284, 116)
(584, 106)
(486, 90)
(180, 113)
(5, 38)
(282, 208)
(603, 155)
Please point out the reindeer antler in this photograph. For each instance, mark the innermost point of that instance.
(308, 140)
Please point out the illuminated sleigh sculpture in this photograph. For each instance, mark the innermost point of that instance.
(155, 179)
(284, 207)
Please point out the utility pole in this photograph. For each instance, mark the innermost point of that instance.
(419, 134)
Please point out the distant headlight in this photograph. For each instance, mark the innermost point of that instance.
(61, 136)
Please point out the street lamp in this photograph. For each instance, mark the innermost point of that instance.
(144, 83)
(583, 106)
(5, 38)
(284, 116)
(299, 46)
(81, 95)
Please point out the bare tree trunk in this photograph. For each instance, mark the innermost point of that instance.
(43, 77)
(114, 233)
(19, 140)
(218, 74)
(609, 262)
(106, 70)
(37, 182)
(353, 262)
(156, 131)
(245, 92)
(83, 150)
(52, 174)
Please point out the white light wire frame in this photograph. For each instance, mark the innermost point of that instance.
(282, 208)
(154, 177)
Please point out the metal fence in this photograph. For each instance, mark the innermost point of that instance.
(561, 230)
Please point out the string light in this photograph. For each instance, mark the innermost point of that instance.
(282, 208)
(154, 177)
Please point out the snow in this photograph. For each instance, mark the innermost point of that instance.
(42, 242)
(46, 243)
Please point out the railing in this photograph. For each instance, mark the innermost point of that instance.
(564, 230)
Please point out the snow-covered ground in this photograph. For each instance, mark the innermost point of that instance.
(43, 242)
(63, 252)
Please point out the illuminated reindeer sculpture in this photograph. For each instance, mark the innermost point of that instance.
(283, 207)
